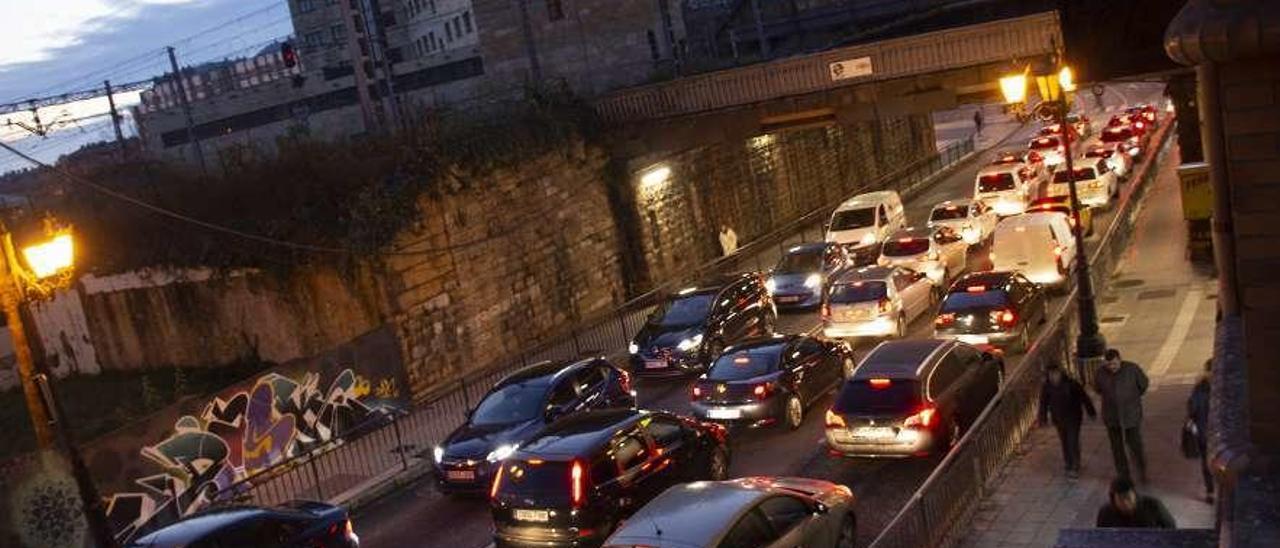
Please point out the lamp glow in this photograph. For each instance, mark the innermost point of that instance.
(1066, 79)
(655, 176)
(1014, 88)
(49, 258)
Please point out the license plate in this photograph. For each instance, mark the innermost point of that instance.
(460, 475)
(655, 364)
(875, 433)
(789, 299)
(532, 515)
(724, 414)
(973, 339)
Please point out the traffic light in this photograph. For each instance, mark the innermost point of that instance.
(289, 56)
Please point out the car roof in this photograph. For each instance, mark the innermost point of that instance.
(869, 199)
(865, 273)
(713, 283)
(755, 343)
(999, 168)
(692, 514)
(581, 433)
(198, 526)
(1034, 218)
(542, 372)
(990, 278)
(963, 202)
(808, 247)
(912, 232)
(903, 359)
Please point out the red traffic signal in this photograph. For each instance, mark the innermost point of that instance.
(288, 54)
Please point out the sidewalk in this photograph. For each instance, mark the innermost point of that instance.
(1159, 314)
(953, 125)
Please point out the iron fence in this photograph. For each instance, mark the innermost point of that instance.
(947, 497)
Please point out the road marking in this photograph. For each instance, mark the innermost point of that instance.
(1181, 325)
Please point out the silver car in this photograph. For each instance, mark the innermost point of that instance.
(878, 301)
(755, 512)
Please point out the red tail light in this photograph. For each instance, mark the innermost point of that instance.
(884, 304)
(1057, 250)
(763, 390)
(834, 420)
(578, 483)
(497, 483)
(697, 392)
(923, 419)
(880, 384)
(945, 319)
(826, 311)
(626, 381)
(1004, 317)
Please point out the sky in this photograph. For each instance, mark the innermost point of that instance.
(49, 47)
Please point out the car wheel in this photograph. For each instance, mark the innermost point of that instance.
(794, 411)
(718, 468)
(770, 324)
(848, 533)
(953, 433)
(1024, 339)
(847, 368)
(902, 326)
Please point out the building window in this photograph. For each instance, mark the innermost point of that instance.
(338, 34)
(448, 31)
(431, 41)
(555, 10)
(457, 27)
(653, 45)
(314, 39)
(466, 21)
(306, 6)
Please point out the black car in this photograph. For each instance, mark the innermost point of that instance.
(912, 398)
(294, 524)
(798, 279)
(999, 308)
(762, 381)
(574, 483)
(690, 328)
(516, 409)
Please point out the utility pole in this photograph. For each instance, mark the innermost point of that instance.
(764, 42)
(354, 32)
(186, 110)
(378, 38)
(530, 48)
(94, 514)
(115, 117)
(10, 303)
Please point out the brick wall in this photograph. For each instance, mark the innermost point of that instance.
(1250, 100)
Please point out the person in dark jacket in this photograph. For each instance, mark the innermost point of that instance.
(1198, 414)
(1065, 401)
(1120, 385)
(1129, 509)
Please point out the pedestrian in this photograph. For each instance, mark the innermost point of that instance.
(977, 120)
(1065, 401)
(728, 240)
(1120, 385)
(1198, 414)
(1129, 509)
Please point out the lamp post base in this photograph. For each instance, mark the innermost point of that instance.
(1090, 345)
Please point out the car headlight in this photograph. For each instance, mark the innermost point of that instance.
(690, 343)
(437, 453)
(770, 285)
(868, 239)
(502, 452)
(633, 348)
(814, 280)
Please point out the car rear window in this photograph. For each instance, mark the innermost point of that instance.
(905, 247)
(970, 300)
(850, 219)
(948, 213)
(1082, 174)
(1044, 143)
(547, 483)
(801, 262)
(1111, 135)
(745, 364)
(861, 397)
(1098, 153)
(995, 182)
(857, 292)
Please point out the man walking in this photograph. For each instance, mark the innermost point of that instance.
(728, 240)
(977, 120)
(1198, 414)
(1120, 385)
(1065, 401)
(1128, 509)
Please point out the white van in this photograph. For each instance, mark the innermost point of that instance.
(1096, 182)
(865, 220)
(1005, 188)
(1039, 245)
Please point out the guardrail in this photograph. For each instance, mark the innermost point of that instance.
(949, 495)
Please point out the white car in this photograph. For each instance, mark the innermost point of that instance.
(1120, 162)
(876, 301)
(971, 219)
(862, 222)
(940, 253)
(1050, 149)
(1096, 182)
(1005, 188)
(1040, 245)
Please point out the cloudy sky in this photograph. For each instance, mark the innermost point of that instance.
(54, 46)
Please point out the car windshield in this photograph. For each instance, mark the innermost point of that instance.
(995, 182)
(1098, 153)
(905, 247)
(1112, 135)
(969, 300)
(801, 262)
(857, 292)
(850, 219)
(861, 397)
(545, 482)
(1081, 173)
(510, 404)
(948, 213)
(745, 364)
(686, 310)
(1044, 143)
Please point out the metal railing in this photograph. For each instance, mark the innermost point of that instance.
(950, 494)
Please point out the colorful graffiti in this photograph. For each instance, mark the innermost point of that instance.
(242, 434)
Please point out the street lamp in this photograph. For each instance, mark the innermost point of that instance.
(46, 264)
(1054, 105)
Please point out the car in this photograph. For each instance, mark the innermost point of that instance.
(517, 408)
(765, 512)
(770, 380)
(973, 220)
(875, 301)
(1096, 183)
(797, 280)
(690, 327)
(1062, 204)
(1049, 147)
(1119, 162)
(912, 398)
(294, 523)
(1082, 125)
(1123, 138)
(574, 483)
(995, 307)
(1005, 188)
(1040, 245)
(1146, 111)
(938, 252)
(1056, 129)
(862, 222)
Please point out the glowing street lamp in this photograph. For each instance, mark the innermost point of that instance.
(46, 259)
(1014, 88)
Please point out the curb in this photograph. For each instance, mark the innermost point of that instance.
(388, 486)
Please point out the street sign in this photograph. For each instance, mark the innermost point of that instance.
(850, 68)
(1197, 194)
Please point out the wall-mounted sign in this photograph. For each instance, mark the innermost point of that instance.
(851, 68)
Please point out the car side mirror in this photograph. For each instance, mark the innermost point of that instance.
(820, 509)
